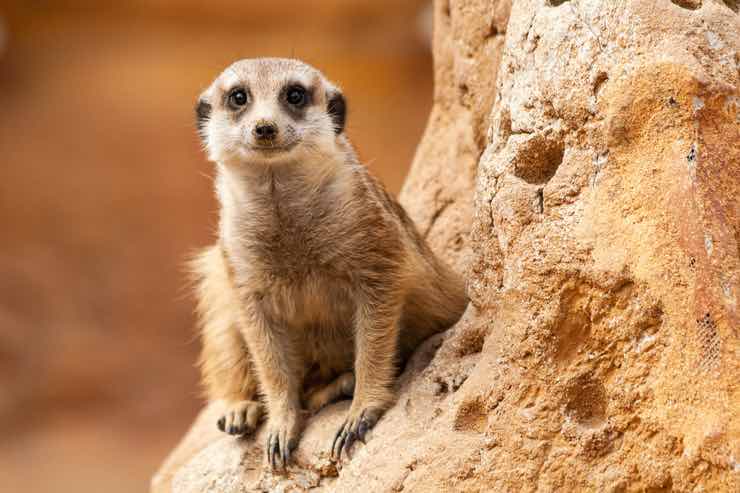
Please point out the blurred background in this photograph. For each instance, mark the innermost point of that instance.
(104, 191)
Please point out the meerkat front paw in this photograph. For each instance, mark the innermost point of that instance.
(282, 437)
(240, 418)
(359, 421)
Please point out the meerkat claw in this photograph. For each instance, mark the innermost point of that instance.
(278, 451)
(273, 450)
(362, 429)
(351, 431)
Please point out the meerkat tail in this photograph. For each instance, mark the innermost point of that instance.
(452, 293)
(225, 362)
(432, 305)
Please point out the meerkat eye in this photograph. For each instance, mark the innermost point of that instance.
(237, 98)
(296, 95)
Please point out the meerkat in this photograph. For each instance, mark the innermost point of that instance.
(320, 285)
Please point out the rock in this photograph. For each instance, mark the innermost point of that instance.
(596, 151)
(609, 182)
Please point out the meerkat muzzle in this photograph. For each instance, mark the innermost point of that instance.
(265, 131)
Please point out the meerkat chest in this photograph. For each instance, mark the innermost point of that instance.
(291, 271)
(287, 233)
(295, 247)
(289, 240)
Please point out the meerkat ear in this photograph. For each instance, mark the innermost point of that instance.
(202, 114)
(337, 109)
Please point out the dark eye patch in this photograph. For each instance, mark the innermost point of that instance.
(296, 98)
(237, 98)
(296, 95)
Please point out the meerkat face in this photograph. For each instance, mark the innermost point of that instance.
(269, 110)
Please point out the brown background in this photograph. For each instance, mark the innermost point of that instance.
(104, 191)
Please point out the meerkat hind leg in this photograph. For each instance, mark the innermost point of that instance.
(342, 386)
(225, 363)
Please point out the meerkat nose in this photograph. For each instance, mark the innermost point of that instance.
(265, 130)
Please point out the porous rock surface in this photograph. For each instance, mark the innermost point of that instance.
(582, 165)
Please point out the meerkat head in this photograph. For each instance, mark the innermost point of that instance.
(269, 110)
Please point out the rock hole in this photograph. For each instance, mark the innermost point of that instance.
(538, 159)
(471, 416)
(446, 9)
(672, 102)
(688, 4)
(555, 3)
(585, 401)
(470, 342)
